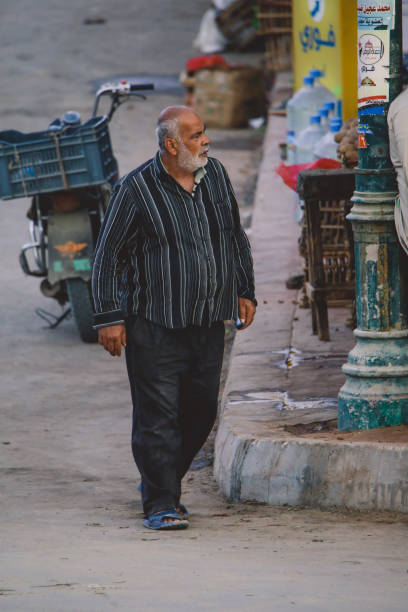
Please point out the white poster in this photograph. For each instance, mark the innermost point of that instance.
(373, 60)
(375, 13)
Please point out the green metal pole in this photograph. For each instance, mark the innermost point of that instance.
(375, 393)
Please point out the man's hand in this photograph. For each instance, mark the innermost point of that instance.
(247, 311)
(112, 338)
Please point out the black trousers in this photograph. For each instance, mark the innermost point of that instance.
(174, 378)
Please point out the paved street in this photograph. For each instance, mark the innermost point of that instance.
(71, 534)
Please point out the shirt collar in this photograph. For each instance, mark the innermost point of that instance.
(199, 175)
(160, 169)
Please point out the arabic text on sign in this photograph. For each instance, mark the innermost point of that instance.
(311, 39)
(367, 10)
(375, 14)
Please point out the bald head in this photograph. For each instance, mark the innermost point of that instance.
(170, 123)
(174, 112)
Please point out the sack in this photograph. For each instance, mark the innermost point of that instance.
(209, 38)
(229, 98)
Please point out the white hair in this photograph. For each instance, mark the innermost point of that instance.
(168, 128)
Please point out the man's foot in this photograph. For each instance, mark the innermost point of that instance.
(183, 512)
(166, 520)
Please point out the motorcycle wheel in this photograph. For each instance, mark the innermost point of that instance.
(79, 295)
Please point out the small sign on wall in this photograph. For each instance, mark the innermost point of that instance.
(373, 69)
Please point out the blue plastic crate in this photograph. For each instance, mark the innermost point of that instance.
(41, 162)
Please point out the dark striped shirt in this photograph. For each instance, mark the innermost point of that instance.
(176, 259)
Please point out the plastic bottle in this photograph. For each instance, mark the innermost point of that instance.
(307, 140)
(322, 93)
(290, 147)
(301, 106)
(324, 119)
(327, 146)
(337, 121)
(331, 107)
(339, 109)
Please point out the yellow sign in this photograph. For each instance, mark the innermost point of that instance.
(325, 37)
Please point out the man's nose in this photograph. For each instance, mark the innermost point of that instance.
(206, 141)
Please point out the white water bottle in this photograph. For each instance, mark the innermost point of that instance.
(331, 107)
(322, 93)
(301, 106)
(324, 119)
(307, 140)
(327, 146)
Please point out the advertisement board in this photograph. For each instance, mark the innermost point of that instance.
(325, 37)
(373, 69)
(316, 41)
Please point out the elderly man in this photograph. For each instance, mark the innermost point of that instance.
(171, 264)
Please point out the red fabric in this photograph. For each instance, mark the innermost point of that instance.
(205, 61)
(289, 174)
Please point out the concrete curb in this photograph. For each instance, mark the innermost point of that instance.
(305, 472)
(255, 458)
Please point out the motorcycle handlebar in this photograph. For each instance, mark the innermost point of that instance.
(143, 86)
(123, 88)
(119, 92)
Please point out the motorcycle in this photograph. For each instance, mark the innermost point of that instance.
(69, 170)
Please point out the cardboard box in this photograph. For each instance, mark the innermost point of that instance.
(229, 98)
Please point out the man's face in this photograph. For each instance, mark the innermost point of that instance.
(194, 145)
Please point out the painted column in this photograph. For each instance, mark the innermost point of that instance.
(375, 393)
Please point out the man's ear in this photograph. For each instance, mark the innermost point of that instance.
(171, 145)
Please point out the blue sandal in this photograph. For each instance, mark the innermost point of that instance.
(156, 520)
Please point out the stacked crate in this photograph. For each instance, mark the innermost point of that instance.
(47, 161)
(275, 26)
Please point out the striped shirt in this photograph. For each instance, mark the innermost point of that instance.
(175, 258)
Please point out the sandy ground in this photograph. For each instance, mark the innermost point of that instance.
(71, 531)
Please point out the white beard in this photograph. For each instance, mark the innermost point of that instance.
(189, 162)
